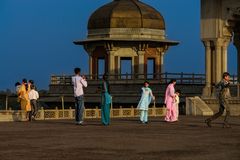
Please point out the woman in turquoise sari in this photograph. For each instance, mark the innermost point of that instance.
(106, 101)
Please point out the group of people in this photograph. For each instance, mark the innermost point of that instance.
(79, 82)
(171, 100)
(28, 98)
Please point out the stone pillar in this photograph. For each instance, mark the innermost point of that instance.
(91, 61)
(141, 64)
(132, 69)
(90, 66)
(157, 66)
(218, 63)
(119, 67)
(224, 59)
(111, 64)
(162, 62)
(225, 56)
(208, 69)
(213, 64)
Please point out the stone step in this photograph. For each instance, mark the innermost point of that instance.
(10, 116)
(197, 107)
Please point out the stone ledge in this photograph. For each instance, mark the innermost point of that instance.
(57, 114)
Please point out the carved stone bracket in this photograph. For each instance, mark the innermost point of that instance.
(142, 46)
(231, 21)
(162, 49)
(109, 46)
(89, 48)
(234, 11)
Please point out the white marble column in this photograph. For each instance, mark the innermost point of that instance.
(225, 56)
(218, 63)
(208, 69)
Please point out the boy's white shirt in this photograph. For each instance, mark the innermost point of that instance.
(33, 95)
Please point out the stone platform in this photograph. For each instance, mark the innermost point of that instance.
(124, 139)
(209, 106)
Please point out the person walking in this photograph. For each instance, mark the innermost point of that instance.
(223, 98)
(79, 82)
(33, 96)
(24, 98)
(169, 101)
(143, 105)
(106, 101)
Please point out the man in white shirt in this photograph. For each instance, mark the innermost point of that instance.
(33, 97)
(78, 83)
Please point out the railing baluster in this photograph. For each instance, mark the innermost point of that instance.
(166, 77)
(181, 78)
(193, 78)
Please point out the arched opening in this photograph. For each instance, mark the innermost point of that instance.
(101, 67)
(150, 68)
(236, 42)
(126, 67)
(232, 59)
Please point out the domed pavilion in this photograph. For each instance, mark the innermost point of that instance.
(126, 30)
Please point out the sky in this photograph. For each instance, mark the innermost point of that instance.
(36, 38)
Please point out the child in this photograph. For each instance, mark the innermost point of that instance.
(144, 102)
(33, 96)
(176, 103)
(223, 98)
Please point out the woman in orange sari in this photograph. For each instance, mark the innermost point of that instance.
(24, 99)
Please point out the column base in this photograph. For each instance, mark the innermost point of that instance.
(214, 93)
(207, 92)
(142, 77)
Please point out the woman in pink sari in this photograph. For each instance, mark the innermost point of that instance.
(169, 101)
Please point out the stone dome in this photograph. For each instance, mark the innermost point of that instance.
(126, 14)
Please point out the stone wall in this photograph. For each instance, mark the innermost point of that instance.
(57, 114)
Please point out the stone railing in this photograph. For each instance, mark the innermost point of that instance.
(58, 114)
(182, 78)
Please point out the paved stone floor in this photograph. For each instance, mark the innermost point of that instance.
(124, 139)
